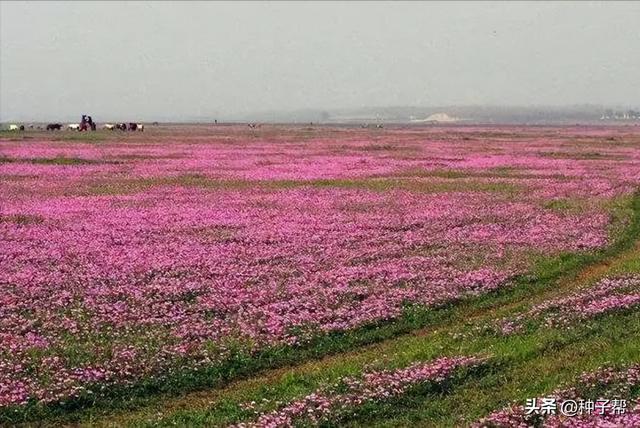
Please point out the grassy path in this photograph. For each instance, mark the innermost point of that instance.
(523, 365)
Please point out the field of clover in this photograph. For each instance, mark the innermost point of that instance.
(146, 256)
(590, 387)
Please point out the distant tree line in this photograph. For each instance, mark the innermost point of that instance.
(620, 115)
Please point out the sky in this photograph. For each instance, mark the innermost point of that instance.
(180, 60)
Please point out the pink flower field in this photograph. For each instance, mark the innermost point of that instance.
(142, 256)
(348, 394)
(612, 392)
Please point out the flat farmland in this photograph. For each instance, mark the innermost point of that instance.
(314, 275)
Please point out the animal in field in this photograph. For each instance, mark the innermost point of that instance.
(87, 123)
(141, 127)
(73, 126)
(133, 126)
(54, 127)
(13, 127)
(121, 126)
(109, 126)
(21, 128)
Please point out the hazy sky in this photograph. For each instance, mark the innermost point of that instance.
(146, 60)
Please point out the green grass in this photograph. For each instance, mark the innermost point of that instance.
(581, 155)
(87, 137)
(58, 160)
(24, 219)
(64, 135)
(413, 185)
(128, 186)
(494, 173)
